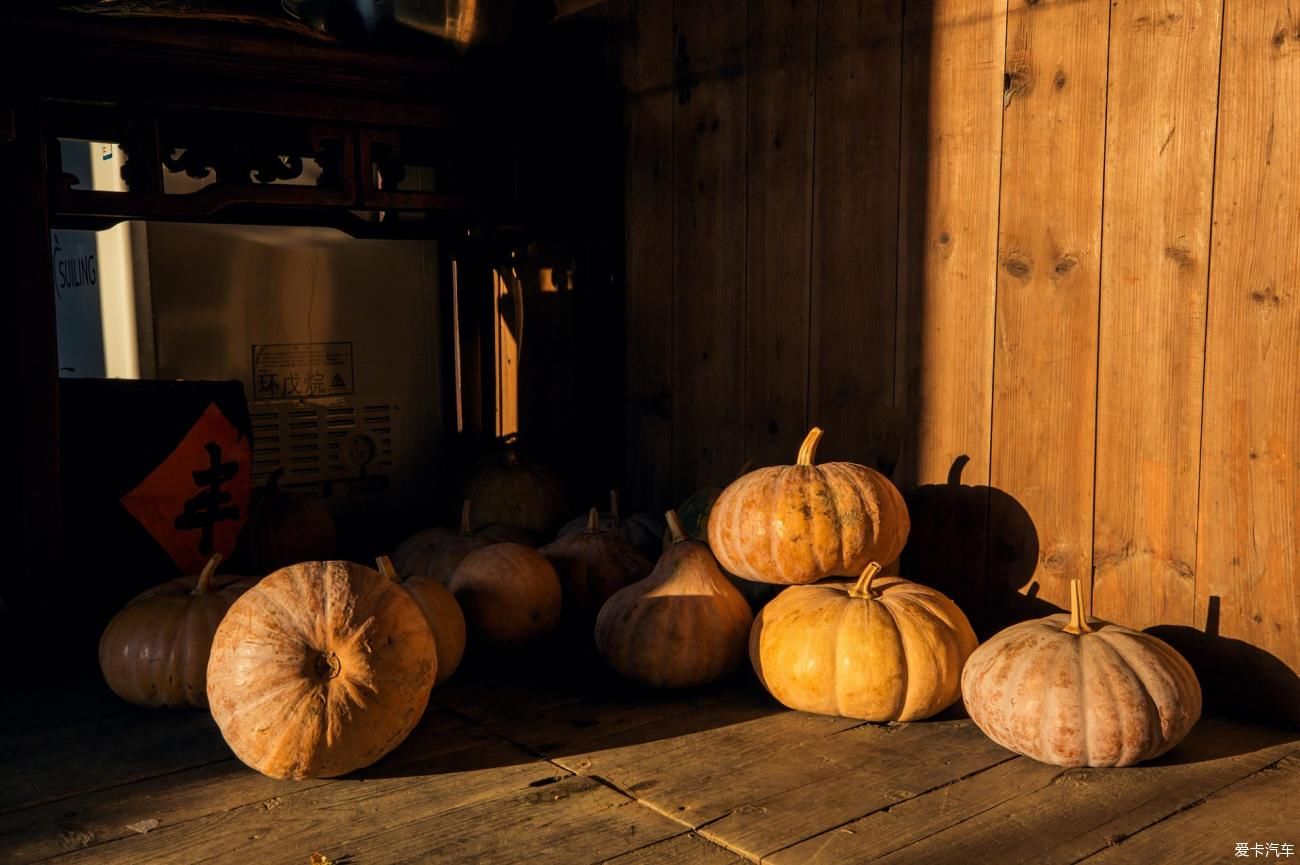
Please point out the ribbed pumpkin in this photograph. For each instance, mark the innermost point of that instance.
(798, 524)
(592, 565)
(441, 612)
(436, 552)
(320, 669)
(154, 652)
(643, 531)
(875, 648)
(509, 490)
(510, 595)
(1070, 692)
(286, 528)
(684, 625)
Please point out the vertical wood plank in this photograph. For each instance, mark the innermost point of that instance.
(710, 181)
(646, 52)
(1045, 359)
(953, 53)
(855, 229)
(782, 39)
(1248, 554)
(1164, 62)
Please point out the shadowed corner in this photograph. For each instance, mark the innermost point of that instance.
(1237, 679)
(979, 546)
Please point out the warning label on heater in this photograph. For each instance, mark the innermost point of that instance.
(302, 370)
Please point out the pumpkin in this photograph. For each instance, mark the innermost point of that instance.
(154, 652)
(684, 625)
(1070, 692)
(875, 648)
(286, 528)
(643, 531)
(441, 612)
(798, 524)
(510, 595)
(592, 565)
(509, 490)
(320, 669)
(436, 552)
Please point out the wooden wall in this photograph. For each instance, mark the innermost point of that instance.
(1036, 258)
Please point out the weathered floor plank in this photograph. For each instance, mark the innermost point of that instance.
(685, 849)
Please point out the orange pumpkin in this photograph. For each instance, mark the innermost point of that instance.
(510, 490)
(799, 524)
(286, 528)
(442, 613)
(684, 625)
(436, 552)
(875, 648)
(1070, 692)
(154, 652)
(320, 669)
(592, 565)
(510, 595)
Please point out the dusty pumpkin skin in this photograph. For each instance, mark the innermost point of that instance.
(320, 669)
(875, 648)
(154, 652)
(510, 595)
(1070, 692)
(798, 524)
(683, 626)
(441, 612)
(592, 565)
(436, 552)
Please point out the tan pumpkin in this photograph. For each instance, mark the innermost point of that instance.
(643, 531)
(436, 552)
(592, 565)
(320, 669)
(154, 652)
(510, 595)
(285, 528)
(510, 490)
(441, 612)
(799, 524)
(876, 648)
(683, 626)
(1070, 692)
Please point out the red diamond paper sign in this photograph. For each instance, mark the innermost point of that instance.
(196, 501)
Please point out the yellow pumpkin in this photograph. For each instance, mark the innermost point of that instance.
(683, 626)
(799, 524)
(875, 648)
(592, 565)
(320, 669)
(441, 612)
(1070, 692)
(510, 595)
(436, 552)
(154, 652)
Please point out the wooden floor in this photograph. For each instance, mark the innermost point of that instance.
(518, 766)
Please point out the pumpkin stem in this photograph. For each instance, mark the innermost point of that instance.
(862, 588)
(613, 504)
(1078, 623)
(386, 568)
(593, 521)
(808, 450)
(675, 526)
(204, 584)
(466, 529)
(954, 472)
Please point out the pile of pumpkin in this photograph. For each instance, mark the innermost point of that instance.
(323, 667)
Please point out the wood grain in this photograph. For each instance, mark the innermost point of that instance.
(710, 184)
(1045, 357)
(646, 53)
(685, 849)
(780, 70)
(1248, 543)
(953, 53)
(1155, 263)
(855, 230)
